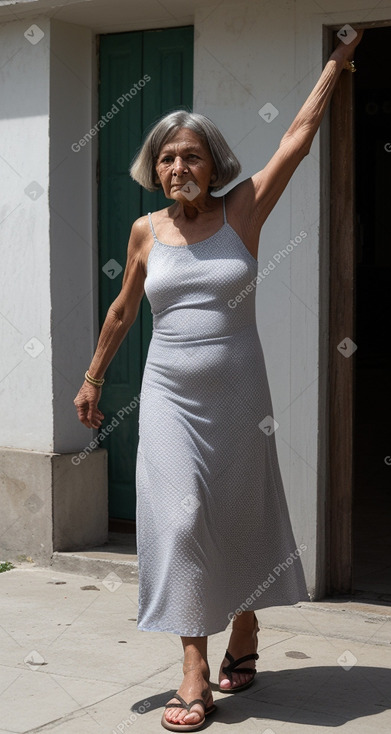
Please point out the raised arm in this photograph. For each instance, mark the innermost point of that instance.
(265, 187)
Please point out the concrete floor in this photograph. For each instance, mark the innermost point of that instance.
(73, 662)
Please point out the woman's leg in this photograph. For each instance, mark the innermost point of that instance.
(195, 683)
(243, 641)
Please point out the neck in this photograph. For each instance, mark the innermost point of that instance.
(192, 209)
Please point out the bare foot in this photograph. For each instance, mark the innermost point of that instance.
(243, 641)
(194, 685)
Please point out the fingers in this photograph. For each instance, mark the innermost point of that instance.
(356, 40)
(95, 417)
(350, 47)
(95, 423)
(89, 417)
(88, 411)
(89, 422)
(83, 418)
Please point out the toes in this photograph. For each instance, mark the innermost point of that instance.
(244, 678)
(171, 714)
(189, 718)
(179, 716)
(239, 679)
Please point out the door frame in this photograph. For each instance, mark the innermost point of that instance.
(341, 383)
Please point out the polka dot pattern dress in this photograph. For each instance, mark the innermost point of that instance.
(214, 536)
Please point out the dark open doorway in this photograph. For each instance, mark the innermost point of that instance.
(359, 297)
(372, 394)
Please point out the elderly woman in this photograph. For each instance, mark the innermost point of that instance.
(213, 530)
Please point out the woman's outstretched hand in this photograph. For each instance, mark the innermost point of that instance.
(86, 402)
(347, 49)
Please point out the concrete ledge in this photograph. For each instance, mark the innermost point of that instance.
(98, 567)
(80, 501)
(50, 504)
(119, 556)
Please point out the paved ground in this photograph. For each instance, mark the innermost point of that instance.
(73, 662)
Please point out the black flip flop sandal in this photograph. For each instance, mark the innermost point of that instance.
(229, 669)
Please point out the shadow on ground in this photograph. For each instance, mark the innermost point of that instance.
(321, 696)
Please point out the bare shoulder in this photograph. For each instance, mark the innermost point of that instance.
(241, 206)
(241, 197)
(141, 240)
(140, 230)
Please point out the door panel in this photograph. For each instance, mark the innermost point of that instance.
(167, 57)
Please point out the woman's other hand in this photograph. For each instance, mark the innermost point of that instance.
(347, 49)
(86, 402)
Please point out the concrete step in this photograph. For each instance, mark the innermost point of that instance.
(118, 556)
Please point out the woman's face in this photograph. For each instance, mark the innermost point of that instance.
(185, 167)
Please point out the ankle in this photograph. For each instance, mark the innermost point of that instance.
(246, 623)
(199, 668)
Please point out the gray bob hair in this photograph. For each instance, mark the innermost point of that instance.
(142, 168)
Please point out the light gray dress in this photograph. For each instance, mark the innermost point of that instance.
(213, 529)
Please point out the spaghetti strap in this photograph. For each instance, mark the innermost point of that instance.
(225, 216)
(151, 225)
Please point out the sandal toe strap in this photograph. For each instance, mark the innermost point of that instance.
(184, 704)
(228, 669)
(233, 663)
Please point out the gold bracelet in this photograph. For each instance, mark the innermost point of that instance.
(350, 66)
(93, 380)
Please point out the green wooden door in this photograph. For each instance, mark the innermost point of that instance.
(163, 60)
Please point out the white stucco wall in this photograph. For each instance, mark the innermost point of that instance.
(73, 224)
(25, 376)
(48, 290)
